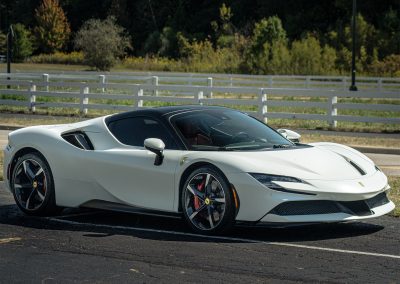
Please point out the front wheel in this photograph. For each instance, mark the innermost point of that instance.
(32, 185)
(207, 201)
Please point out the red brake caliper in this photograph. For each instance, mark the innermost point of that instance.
(196, 199)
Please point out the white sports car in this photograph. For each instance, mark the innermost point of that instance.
(213, 165)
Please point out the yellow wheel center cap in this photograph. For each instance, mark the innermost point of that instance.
(34, 184)
(207, 201)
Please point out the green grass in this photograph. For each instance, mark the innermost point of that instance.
(394, 194)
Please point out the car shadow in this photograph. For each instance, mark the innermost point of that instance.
(98, 224)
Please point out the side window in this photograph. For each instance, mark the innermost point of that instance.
(134, 130)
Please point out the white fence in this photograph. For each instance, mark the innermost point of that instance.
(257, 95)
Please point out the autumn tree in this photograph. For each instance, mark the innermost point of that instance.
(52, 30)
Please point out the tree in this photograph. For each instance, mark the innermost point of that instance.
(102, 42)
(3, 43)
(268, 52)
(52, 30)
(22, 47)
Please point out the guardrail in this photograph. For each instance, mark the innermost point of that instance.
(99, 93)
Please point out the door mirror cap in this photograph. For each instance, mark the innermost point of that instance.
(156, 146)
(290, 135)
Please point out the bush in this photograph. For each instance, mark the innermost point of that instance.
(3, 43)
(22, 45)
(73, 58)
(389, 66)
(102, 43)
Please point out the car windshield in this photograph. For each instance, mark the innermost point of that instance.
(226, 131)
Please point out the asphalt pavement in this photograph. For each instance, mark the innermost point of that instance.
(104, 247)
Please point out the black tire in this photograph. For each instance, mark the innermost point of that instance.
(32, 185)
(207, 201)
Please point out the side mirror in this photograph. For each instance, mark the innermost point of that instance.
(156, 146)
(290, 134)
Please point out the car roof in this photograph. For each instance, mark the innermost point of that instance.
(163, 111)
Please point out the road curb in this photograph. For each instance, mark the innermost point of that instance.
(362, 149)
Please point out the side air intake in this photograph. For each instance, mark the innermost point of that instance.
(79, 139)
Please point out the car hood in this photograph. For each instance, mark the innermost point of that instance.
(319, 162)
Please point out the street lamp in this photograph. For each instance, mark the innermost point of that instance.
(10, 36)
(353, 86)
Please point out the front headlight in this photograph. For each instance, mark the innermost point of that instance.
(269, 181)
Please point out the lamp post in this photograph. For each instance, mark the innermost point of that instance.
(353, 86)
(10, 36)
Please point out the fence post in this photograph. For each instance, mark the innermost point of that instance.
(270, 81)
(210, 84)
(344, 83)
(307, 82)
(332, 111)
(262, 105)
(84, 100)
(380, 84)
(32, 97)
(154, 82)
(139, 102)
(200, 97)
(46, 80)
(102, 80)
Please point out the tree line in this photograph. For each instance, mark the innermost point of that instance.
(258, 37)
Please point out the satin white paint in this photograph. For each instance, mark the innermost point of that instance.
(124, 174)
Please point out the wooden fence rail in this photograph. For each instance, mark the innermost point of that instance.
(126, 92)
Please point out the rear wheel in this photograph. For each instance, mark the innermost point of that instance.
(32, 185)
(207, 201)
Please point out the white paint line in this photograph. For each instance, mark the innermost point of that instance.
(226, 238)
(9, 240)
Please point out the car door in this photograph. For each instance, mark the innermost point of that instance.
(128, 172)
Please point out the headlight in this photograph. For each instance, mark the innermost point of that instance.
(269, 181)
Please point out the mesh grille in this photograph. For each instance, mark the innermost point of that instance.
(312, 207)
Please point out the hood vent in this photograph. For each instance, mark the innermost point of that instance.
(357, 167)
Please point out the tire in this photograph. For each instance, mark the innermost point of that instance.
(33, 187)
(207, 202)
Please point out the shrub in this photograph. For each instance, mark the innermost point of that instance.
(389, 66)
(73, 58)
(102, 43)
(3, 43)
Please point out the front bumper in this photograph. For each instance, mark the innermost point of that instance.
(329, 211)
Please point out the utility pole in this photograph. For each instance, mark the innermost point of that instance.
(353, 86)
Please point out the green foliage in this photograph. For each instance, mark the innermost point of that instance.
(3, 43)
(224, 29)
(308, 58)
(268, 52)
(52, 30)
(267, 31)
(22, 46)
(162, 44)
(389, 66)
(102, 43)
(73, 58)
